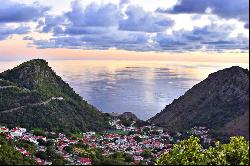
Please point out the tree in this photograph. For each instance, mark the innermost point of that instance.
(59, 160)
(128, 158)
(39, 132)
(190, 152)
(187, 152)
(138, 139)
(42, 155)
(68, 149)
(234, 153)
(126, 122)
(146, 153)
(9, 156)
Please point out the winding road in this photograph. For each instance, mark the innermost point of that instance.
(35, 104)
(5, 87)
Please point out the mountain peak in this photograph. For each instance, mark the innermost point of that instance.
(219, 100)
(37, 75)
(32, 74)
(41, 61)
(36, 97)
(233, 71)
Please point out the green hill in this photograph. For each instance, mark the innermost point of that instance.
(32, 95)
(220, 102)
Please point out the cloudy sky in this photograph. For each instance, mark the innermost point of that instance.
(153, 29)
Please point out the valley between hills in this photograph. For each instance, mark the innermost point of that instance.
(48, 123)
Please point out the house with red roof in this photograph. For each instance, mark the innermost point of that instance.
(138, 158)
(39, 161)
(4, 130)
(24, 152)
(84, 161)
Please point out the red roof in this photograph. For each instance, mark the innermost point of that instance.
(26, 153)
(94, 145)
(14, 130)
(85, 160)
(85, 141)
(139, 150)
(39, 161)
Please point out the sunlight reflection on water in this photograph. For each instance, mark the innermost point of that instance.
(141, 87)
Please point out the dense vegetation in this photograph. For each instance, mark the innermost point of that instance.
(117, 158)
(33, 83)
(14, 97)
(220, 102)
(190, 152)
(9, 156)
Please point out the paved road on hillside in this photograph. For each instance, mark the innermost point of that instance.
(35, 104)
(5, 87)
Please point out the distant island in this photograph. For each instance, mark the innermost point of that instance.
(43, 121)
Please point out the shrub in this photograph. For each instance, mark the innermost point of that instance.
(190, 152)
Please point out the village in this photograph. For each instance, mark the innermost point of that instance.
(144, 144)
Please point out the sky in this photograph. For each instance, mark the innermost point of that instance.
(183, 30)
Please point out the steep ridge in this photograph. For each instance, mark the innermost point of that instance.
(219, 102)
(32, 95)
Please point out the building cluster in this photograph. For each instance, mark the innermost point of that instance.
(203, 133)
(134, 141)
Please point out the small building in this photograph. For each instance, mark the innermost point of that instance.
(4, 130)
(138, 158)
(84, 161)
(17, 132)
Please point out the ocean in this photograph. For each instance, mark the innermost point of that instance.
(141, 87)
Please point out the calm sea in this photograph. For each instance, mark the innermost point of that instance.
(141, 87)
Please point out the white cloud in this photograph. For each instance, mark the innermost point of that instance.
(135, 25)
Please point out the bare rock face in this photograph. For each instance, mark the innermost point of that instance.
(219, 102)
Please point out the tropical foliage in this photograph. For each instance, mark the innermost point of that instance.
(9, 156)
(190, 152)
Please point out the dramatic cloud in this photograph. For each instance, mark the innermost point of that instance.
(17, 12)
(51, 23)
(103, 26)
(96, 19)
(139, 20)
(13, 17)
(128, 25)
(238, 9)
(94, 15)
(7, 31)
(119, 40)
(212, 37)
